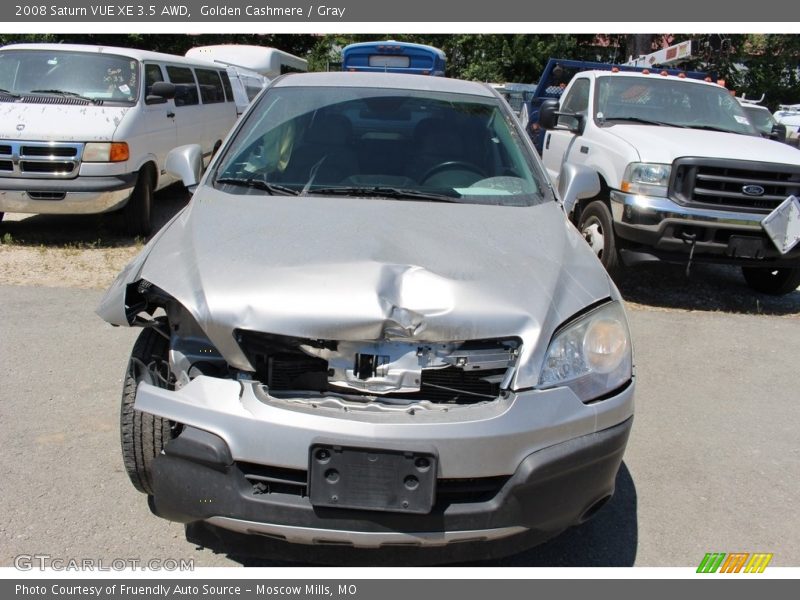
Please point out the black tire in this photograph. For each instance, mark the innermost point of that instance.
(143, 435)
(137, 210)
(775, 282)
(597, 228)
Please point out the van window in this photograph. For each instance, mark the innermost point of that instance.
(211, 91)
(152, 74)
(185, 86)
(226, 84)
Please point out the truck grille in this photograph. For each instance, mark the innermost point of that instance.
(40, 160)
(721, 184)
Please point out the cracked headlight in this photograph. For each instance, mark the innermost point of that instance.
(590, 355)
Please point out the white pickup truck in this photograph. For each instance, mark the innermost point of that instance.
(685, 176)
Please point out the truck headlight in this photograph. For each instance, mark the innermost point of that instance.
(591, 355)
(106, 152)
(648, 179)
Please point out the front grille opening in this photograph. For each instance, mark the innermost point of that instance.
(47, 195)
(725, 184)
(5, 149)
(53, 167)
(266, 480)
(282, 367)
(48, 151)
(6, 165)
(466, 491)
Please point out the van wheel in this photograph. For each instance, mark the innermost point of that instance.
(597, 228)
(144, 435)
(137, 210)
(775, 282)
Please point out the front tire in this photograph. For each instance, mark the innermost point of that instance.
(143, 435)
(137, 210)
(597, 228)
(775, 282)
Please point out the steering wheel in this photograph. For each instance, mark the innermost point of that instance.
(452, 164)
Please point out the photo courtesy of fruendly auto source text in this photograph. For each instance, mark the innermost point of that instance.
(381, 300)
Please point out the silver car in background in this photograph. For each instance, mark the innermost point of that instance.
(373, 326)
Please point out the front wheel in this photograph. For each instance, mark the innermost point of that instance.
(143, 435)
(597, 228)
(775, 282)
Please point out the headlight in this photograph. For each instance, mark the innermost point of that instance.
(649, 179)
(105, 152)
(591, 355)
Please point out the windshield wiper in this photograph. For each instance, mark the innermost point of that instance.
(713, 128)
(68, 94)
(7, 93)
(385, 192)
(259, 184)
(644, 121)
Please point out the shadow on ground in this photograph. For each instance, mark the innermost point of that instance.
(608, 540)
(708, 287)
(87, 231)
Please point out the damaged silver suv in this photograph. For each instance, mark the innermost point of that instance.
(374, 326)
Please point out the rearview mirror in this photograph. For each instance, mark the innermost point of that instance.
(160, 92)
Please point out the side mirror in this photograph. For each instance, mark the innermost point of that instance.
(548, 114)
(160, 92)
(577, 182)
(186, 163)
(778, 132)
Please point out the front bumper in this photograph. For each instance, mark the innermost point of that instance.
(658, 228)
(82, 195)
(552, 460)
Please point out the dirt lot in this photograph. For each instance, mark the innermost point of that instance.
(88, 251)
(74, 251)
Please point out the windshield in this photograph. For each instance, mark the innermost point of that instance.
(384, 143)
(672, 102)
(92, 75)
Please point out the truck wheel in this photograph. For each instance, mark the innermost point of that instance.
(776, 282)
(597, 228)
(143, 435)
(137, 210)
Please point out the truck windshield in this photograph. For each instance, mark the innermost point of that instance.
(91, 75)
(381, 143)
(674, 102)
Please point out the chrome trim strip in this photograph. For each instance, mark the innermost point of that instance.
(361, 539)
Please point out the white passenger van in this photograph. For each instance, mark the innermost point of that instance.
(86, 129)
(250, 68)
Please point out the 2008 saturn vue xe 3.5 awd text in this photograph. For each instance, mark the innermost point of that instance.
(373, 326)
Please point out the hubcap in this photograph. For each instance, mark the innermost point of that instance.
(593, 234)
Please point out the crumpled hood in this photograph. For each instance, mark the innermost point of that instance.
(366, 269)
(59, 122)
(665, 144)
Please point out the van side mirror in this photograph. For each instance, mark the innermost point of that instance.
(160, 92)
(186, 163)
(577, 182)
